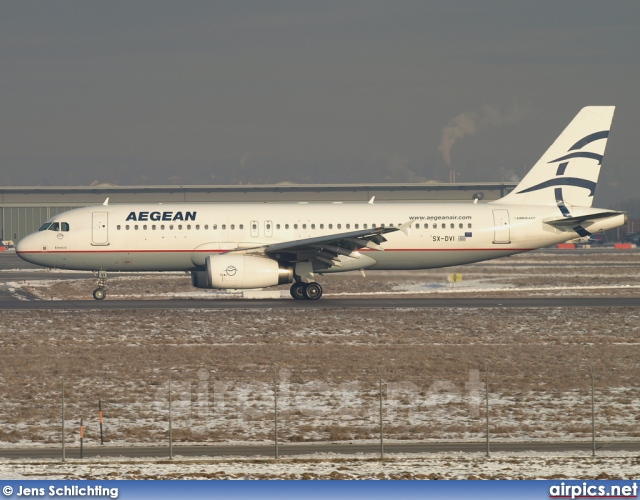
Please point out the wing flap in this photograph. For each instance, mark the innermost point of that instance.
(348, 241)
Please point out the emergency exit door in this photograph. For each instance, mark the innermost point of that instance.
(501, 226)
(100, 228)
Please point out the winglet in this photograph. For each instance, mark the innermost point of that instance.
(106, 202)
(371, 200)
(406, 228)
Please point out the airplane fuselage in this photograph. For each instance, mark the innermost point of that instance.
(179, 237)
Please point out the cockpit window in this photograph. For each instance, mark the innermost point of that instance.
(55, 226)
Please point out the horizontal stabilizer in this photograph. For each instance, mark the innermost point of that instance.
(571, 222)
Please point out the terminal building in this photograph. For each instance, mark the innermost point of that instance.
(23, 209)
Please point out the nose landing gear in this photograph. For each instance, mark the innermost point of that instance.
(306, 291)
(100, 292)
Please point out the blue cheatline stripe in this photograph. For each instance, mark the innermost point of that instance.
(589, 139)
(560, 201)
(580, 154)
(581, 231)
(561, 168)
(563, 181)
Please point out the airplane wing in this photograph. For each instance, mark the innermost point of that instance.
(327, 249)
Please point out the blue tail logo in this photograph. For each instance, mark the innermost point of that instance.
(560, 180)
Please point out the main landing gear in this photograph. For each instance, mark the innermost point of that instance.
(100, 292)
(306, 291)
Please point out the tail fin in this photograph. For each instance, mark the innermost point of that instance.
(567, 173)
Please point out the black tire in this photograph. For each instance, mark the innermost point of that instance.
(313, 291)
(297, 290)
(99, 293)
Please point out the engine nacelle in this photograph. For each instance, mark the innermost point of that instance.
(242, 271)
(200, 279)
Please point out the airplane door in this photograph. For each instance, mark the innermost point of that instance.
(254, 228)
(268, 228)
(100, 232)
(501, 226)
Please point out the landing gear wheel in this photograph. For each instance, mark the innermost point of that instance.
(313, 291)
(297, 290)
(100, 292)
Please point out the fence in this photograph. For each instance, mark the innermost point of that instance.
(212, 410)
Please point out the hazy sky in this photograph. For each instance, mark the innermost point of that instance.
(158, 92)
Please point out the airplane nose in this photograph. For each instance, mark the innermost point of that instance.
(24, 247)
(20, 246)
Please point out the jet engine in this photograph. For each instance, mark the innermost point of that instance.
(241, 271)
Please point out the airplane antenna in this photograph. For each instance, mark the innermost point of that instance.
(371, 200)
(106, 202)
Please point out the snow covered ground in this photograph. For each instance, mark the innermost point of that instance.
(526, 465)
(328, 365)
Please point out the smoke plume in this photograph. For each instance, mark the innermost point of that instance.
(461, 125)
(469, 123)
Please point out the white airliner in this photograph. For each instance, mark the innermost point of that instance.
(251, 245)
